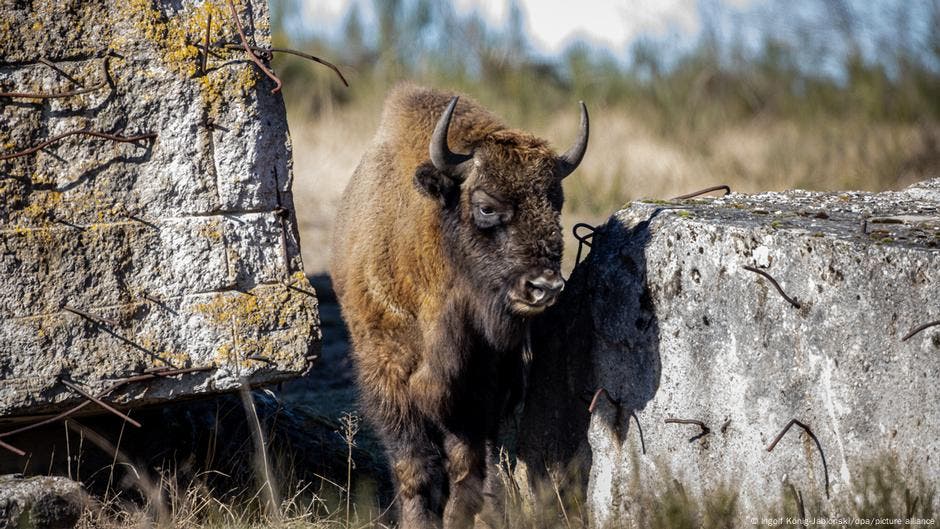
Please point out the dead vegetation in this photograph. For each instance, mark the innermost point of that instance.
(882, 489)
(667, 118)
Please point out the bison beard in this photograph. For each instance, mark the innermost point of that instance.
(439, 259)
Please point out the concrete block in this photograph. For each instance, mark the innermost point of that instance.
(680, 329)
(177, 249)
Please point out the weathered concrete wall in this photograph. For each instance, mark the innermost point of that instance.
(680, 329)
(178, 247)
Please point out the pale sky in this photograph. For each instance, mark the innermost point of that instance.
(552, 24)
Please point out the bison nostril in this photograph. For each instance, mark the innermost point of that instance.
(544, 288)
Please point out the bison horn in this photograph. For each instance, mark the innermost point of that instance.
(569, 161)
(441, 156)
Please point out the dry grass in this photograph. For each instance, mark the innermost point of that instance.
(628, 159)
(326, 151)
(882, 489)
(277, 499)
(885, 492)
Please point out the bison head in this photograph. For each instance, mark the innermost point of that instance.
(501, 209)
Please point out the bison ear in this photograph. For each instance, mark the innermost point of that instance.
(433, 183)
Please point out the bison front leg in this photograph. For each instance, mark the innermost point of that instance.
(466, 467)
(416, 460)
(493, 514)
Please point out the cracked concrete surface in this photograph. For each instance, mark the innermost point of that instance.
(664, 315)
(682, 330)
(182, 248)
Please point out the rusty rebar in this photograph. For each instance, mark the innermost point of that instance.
(597, 395)
(815, 439)
(168, 372)
(776, 285)
(99, 402)
(282, 215)
(639, 430)
(705, 430)
(50, 420)
(704, 191)
(105, 78)
(98, 320)
(157, 370)
(314, 58)
(117, 384)
(919, 328)
(143, 221)
(62, 72)
(151, 299)
(251, 54)
(292, 286)
(205, 52)
(50, 141)
(12, 448)
(260, 358)
(67, 223)
(582, 239)
(617, 405)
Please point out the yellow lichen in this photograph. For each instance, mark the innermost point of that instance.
(33, 210)
(211, 230)
(107, 211)
(42, 179)
(42, 204)
(226, 354)
(179, 39)
(272, 349)
(32, 235)
(258, 321)
(176, 358)
(237, 309)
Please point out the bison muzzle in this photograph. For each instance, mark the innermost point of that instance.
(447, 242)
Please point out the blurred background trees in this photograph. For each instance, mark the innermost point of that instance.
(879, 60)
(819, 94)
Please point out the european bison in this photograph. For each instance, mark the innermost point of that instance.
(439, 259)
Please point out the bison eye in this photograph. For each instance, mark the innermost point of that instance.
(488, 211)
(486, 216)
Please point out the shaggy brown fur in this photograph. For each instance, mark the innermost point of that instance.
(426, 282)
